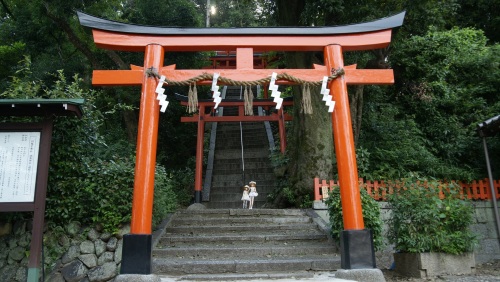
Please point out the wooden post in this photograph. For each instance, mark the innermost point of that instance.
(34, 264)
(282, 132)
(356, 243)
(344, 143)
(198, 187)
(137, 244)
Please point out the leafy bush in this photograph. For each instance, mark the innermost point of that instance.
(182, 183)
(422, 222)
(165, 199)
(371, 216)
(89, 181)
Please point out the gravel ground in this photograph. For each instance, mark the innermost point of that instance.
(487, 272)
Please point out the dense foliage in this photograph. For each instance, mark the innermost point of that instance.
(422, 222)
(371, 216)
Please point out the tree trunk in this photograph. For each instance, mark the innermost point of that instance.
(310, 147)
(356, 107)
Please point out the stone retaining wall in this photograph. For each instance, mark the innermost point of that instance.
(484, 226)
(73, 253)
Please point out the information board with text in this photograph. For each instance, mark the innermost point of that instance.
(18, 166)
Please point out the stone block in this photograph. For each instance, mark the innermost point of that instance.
(8, 272)
(55, 277)
(74, 271)
(105, 236)
(118, 251)
(483, 215)
(112, 243)
(21, 274)
(17, 253)
(196, 206)
(73, 228)
(19, 227)
(489, 247)
(90, 260)
(103, 273)
(137, 278)
(93, 234)
(5, 229)
(72, 253)
(365, 275)
(124, 230)
(100, 247)
(105, 257)
(319, 205)
(64, 241)
(87, 247)
(4, 253)
(428, 265)
(12, 243)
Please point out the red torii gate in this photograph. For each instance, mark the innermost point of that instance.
(356, 243)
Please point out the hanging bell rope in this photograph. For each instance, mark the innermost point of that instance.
(248, 95)
(306, 100)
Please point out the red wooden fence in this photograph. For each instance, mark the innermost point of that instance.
(476, 190)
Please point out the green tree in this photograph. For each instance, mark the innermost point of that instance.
(310, 146)
(446, 83)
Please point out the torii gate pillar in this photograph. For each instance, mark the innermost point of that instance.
(356, 242)
(138, 243)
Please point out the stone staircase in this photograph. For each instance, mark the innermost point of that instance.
(233, 169)
(225, 244)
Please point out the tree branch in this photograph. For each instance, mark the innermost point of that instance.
(7, 10)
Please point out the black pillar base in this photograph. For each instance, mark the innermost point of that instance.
(356, 249)
(136, 254)
(197, 197)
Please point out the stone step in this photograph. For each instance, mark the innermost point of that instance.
(238, 189)
(236, 183)
(283, 276)
(235, 131)
(253, 251)
(225, 228)
(237, 238)
(235, 141)
(236, 154)
(210, 213)
(192, 266)
(242, 220)
(231, 168)
(292, 244)
(237, 205)
(247, 147)
(255, 135)
(250, 164)
(249, 160)
(237, 177)
(234, 197)
(215, 242)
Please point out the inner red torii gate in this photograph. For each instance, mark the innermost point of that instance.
(156, 41)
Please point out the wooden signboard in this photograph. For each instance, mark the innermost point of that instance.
(24, 162)
(24, 168)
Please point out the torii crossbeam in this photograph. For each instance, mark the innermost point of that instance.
(156, 41)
